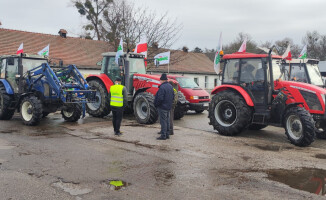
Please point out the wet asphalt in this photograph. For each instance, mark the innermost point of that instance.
(60, 160)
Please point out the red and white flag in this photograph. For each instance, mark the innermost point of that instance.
(243, 46)
(287, 54)
(20, 49)
(141, 47)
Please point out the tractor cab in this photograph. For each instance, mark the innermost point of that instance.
(13, 67)
(303, 70)
(255, 74)
(129, 64)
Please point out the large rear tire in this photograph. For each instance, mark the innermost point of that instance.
(228, 113)
(181, 107)
(101, 107)
(144, 109)
(256, 127)
(71, 112)
(299, 126)
(5, 100)
(31, 110)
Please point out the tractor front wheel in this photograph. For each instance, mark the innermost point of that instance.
(31, 110)
(229, 113)
(71, 112)
(299, 126)
(101, 106)
(5, 100)
(144, 109)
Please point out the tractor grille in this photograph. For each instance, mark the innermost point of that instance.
(204, 97)
(311, 100)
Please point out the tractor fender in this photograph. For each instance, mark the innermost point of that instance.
(239, 89)
(139, 91)
(7, 86)
(103, 78)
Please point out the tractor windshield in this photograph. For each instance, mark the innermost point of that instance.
(29, 63)
(298, 72)
(314, 74)
(276, 66)
(186, 82)
(137, 65)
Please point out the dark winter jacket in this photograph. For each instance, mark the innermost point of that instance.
(164, 96)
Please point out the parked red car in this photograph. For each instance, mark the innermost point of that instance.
(198, 98)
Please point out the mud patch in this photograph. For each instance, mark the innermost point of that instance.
(307, 179)
(321, 156)
(164, 176)
(9, 131)
(72, 188)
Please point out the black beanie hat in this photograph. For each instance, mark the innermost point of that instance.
(118, 79)
(164, 77)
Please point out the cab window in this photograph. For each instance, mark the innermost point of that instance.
(113, 69)
(2, 68)
(231, 71)
(11, 72)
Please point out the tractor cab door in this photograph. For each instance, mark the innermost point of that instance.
(3, 64)
(112, 69)
(11, 70)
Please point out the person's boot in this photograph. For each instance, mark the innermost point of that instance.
(161, 138)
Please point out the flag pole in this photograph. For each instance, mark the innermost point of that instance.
(168, 67)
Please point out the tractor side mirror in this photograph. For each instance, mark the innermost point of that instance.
(157, 63)
(120, 62)
(10, 61)
(60, 63)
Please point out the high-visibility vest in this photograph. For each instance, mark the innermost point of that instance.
(116, 95)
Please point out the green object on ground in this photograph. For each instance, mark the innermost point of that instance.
(116, 183)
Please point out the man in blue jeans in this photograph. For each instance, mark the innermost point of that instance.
(163, 102)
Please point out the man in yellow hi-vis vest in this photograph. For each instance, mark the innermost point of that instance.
(118, 100)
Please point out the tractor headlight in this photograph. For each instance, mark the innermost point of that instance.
(194, 97)
(312, 100)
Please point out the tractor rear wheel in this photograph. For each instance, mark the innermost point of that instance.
(229, 113)
(71, 112)
(144, 109)
(299, 126)
(31, 110)
(101, 107)
(256, 127)
(5, 100)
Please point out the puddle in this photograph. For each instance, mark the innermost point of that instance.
(116, 184)
(307, 179)
(271, 147)
(72, 188)
(320, 156)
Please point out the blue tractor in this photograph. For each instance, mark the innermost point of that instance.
(29, 85)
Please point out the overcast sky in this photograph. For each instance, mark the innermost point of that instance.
(203, 20)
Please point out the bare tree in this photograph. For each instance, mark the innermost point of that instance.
(123, 19)
(316, 45)
(234, 46)
(93, 10)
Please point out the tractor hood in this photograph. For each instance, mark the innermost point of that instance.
(300, 86)
(195, 92)
(151, 78)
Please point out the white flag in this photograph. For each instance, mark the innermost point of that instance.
(45, 51)
(119, 51)
(287, 54)
(163, 58)
(243, 46)
(303, 53)
(218, 56)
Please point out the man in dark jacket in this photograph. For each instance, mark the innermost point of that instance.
(163, 102)
(118, 100)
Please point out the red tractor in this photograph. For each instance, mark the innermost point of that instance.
(252, 95)
(141, 87)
